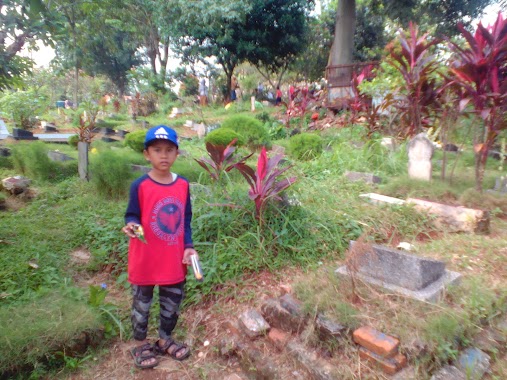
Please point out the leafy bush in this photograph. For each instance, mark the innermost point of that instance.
(73, 140)
(135, 140)
(32, 160)
(6, 162)
(305, 146)
(223, 137)
(251, 129)
(111, 174)
(264, 117)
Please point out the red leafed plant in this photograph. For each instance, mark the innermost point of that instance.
(416, 64)
(481, 71)
(265, 183)
(221, 159)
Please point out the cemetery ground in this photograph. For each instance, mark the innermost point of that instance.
(61, 246)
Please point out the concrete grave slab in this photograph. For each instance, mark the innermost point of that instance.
(458, 219)
(380, 199)
(414, 276)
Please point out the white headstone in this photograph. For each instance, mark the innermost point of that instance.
(420, 151)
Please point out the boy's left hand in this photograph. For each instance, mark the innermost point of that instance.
(186, 255)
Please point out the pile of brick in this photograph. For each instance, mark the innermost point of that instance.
(380, 349)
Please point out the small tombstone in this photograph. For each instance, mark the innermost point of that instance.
(21, 134)
(58, 156)
(252, 102)
(414, 276)
(200, 129)
(420, 151)
(107, 131)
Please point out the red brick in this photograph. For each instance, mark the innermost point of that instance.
(278, 337)
(388, 365)
(377, 342)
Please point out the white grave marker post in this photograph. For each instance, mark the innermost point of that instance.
(420, 151)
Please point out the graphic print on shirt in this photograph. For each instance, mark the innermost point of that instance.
(166, 220)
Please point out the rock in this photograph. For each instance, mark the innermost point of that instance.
(318, 368)
(448, 372)
(281, 318)
(16, 185)
(252, 323)
(328, 329)
(257, 365)
(474, 363)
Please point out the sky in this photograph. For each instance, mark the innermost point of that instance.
(45, 54)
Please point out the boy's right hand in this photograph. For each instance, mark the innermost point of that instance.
(129, 230)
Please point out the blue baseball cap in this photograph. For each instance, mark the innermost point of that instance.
(160, 132)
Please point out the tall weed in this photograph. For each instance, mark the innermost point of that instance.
(111, 174)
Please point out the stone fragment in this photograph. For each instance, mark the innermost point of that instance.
(279, 338)
(379, 343)
(407, 373)
(359, 176)
(281, 318)
(458, 219)
(16, 185)
(253, 324)
(448, 372)
(319, 369)
(257, 365)
(292, 305)
(388, 365)
(328, 329)
(474, 363)
(420, 151)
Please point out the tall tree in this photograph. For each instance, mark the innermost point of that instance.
(21, 22)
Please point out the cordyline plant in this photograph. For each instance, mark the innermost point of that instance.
(222, 159)
(300, 105)
(481, 70)
(413, 59)
(264, 182)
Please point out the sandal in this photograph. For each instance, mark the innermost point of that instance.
(144, 353)
(177, 351)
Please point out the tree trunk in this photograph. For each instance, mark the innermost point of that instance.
(343, 44)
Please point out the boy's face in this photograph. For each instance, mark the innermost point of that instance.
(161, 154)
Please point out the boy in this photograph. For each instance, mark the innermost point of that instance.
(159, 202)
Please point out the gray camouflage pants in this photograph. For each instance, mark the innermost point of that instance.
(170, 297)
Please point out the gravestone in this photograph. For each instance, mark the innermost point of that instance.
(501, 185)
(82, 167)
(50, 129)
(389, 143)
(420, 151)
(359, 176)
(4, 132)
(5, 152)
(58, 156)
(414, 276)
(21, 134)
(107, 131)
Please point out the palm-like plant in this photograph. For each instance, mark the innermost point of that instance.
(480, 69)
(415, 62)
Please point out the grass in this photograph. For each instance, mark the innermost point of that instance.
(68, 214)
